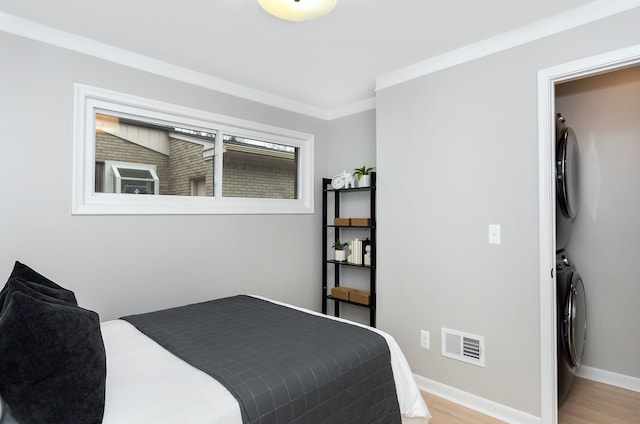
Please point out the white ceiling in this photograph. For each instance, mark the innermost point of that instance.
(328, 63)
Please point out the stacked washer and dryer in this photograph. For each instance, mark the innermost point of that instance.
(571, 300)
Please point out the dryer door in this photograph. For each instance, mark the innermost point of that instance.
(575, 323)
(567, 157)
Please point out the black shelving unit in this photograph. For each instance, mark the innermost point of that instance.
(328, 190)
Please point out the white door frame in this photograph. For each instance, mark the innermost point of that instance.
(547, 79)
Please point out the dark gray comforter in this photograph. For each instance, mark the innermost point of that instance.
(283, 365)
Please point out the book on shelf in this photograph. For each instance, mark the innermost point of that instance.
(357, 249)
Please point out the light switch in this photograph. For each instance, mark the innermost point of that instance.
(494, 233)
(425, 341)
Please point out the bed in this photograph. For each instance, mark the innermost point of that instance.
(148, 378)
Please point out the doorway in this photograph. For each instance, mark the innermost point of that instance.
(547, 79)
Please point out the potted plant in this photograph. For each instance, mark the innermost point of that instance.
(364, 176)
(340, 251)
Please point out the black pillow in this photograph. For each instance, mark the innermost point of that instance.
(52, 361)
(37, 282)
(37, 291)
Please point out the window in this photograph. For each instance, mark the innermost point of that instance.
(140, 156)
(253, 168)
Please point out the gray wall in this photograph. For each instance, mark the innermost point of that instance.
(352, 142)
(604, 112)
(125, 264)
(457, 150)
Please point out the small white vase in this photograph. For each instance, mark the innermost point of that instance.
(341, 255)
(364, 181)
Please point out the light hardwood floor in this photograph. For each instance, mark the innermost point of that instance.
(589, 402)
(445, 412)
(592, 402)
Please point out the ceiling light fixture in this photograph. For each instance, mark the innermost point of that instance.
(298, 10)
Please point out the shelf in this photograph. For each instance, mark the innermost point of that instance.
(333, 261)
(349, 189)
(338, 196)
(350, 226)
(329, 297)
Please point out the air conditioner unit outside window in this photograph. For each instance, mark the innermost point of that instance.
(132, 178)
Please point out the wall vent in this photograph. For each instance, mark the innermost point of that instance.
(463, 346)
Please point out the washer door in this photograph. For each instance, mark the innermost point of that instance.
(575, 321)
(567, 157)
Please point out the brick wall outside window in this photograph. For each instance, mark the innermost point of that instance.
(245, 175)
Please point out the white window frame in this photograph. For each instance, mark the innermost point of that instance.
(85, 201)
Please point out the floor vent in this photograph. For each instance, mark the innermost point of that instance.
(463, 346)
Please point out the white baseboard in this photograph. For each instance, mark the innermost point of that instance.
(511, 415)
(477, 403)
(608, 377)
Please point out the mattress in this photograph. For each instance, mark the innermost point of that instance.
(146, 384)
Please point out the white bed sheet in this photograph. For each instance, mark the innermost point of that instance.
(148, 385)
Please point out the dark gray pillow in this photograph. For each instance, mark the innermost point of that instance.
(37, 291)
(53, 366)
(37, 282)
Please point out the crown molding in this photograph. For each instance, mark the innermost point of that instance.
(570, 19)
(29, 29)
(352, 109)
(576, 17)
